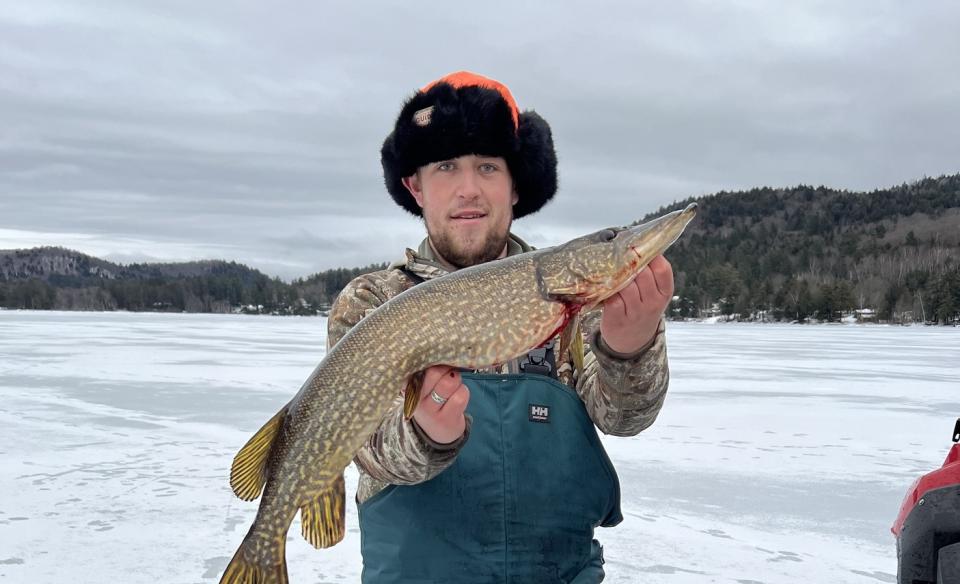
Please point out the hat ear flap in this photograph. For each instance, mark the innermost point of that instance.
(535, 165)
(392, 179)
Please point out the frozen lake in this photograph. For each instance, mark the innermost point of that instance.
(781, 456)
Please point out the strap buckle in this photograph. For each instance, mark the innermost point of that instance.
(540, 361)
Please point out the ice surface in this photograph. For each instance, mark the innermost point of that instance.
(781, 455)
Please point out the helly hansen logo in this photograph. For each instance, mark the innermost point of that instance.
(539, 413)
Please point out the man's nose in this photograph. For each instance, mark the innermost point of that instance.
(469, 185)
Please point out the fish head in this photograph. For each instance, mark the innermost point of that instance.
(588, 270)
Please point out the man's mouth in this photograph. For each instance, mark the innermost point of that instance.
(468, 215)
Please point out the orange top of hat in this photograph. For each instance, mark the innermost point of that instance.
(468, 79)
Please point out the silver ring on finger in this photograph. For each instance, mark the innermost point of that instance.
(438, 398)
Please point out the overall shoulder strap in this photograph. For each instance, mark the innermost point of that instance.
(542, 360)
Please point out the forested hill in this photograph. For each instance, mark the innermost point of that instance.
(63, 279)
(805, 252)
(782, 254)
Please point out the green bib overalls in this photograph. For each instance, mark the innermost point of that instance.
(519, 504)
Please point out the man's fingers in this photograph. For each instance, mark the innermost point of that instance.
(615, 305)
(442, 379)
(445, 394)
(442, 418)
(655, 275)
(444, 423)
(631, 295)
(646, 284)
(447, 387)
(663, 275)
(456, 403)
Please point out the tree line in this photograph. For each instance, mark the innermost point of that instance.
(793, 254)
(807, 253)
(227, 287)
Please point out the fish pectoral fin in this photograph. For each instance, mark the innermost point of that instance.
(249, 470)
(323, 520)
(576, 349)
(571, 339)
(411, 395)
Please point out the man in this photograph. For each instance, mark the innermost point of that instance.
(500, 475)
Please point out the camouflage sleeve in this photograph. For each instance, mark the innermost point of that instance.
(624, 393)
(398, 452)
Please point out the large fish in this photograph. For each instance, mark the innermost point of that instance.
(472, 318)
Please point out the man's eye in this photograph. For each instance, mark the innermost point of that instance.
(487, 167)
(445, 166)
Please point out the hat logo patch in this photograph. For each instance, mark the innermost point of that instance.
(422, 117)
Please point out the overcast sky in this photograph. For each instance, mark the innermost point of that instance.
(250, 131)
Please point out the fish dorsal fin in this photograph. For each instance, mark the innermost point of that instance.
(249, 470)
(411, 395)
(571, 339)
(322, 519)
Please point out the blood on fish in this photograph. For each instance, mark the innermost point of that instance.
(570, 311)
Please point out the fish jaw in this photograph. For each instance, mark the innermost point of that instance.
(591, 269)
(651, 239)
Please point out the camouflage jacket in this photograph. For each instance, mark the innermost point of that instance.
(622, 393)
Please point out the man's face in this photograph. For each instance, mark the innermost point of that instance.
(467, 206)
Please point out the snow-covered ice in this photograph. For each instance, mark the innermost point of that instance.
(781, 455)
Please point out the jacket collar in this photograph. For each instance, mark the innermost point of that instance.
(423, 262)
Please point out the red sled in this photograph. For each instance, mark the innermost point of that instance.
(928, 526)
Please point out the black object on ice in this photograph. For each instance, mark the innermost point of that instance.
(948, 565)
(928, 526)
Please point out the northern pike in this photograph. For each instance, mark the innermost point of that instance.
(472, 318)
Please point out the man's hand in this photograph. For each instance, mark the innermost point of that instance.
(443, 423)
(631, 316)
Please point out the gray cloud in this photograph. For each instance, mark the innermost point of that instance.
(252, 132)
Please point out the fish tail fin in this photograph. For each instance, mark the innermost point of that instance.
(257, 564)
(249, 470)
(322, 519)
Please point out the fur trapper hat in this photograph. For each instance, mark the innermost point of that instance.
(465, 113)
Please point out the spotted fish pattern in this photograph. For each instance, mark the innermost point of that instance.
(622, 393)
(384, 330)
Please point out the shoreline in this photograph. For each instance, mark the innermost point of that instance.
(702, 321)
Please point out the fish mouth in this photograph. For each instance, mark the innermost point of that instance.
(652, 239)
(648, 246)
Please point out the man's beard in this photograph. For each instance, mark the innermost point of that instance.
(491, 249)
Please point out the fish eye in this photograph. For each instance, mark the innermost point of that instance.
(606, 234)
